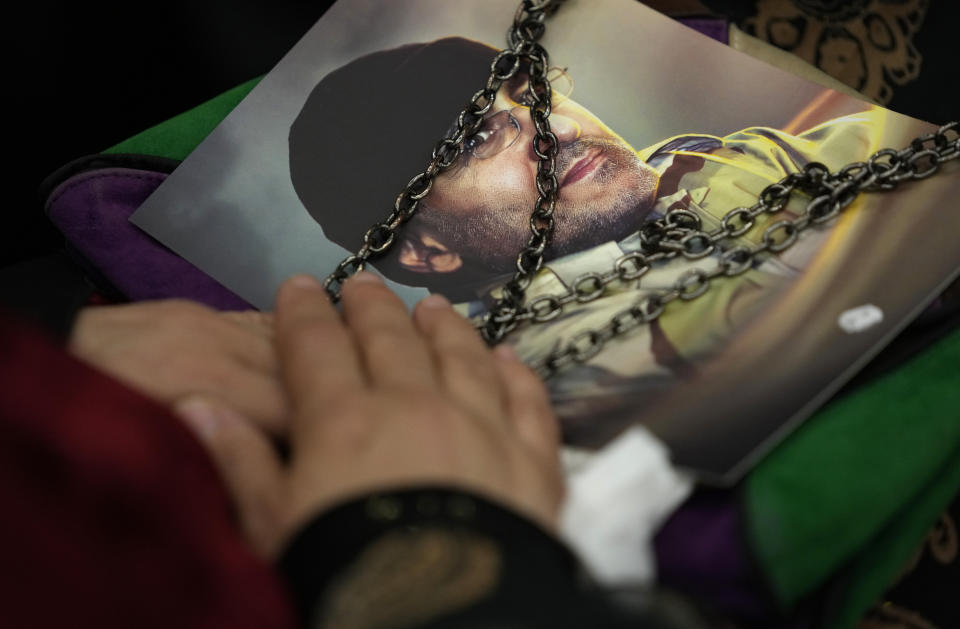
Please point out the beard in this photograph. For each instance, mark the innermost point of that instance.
(611, 206)
(624, 187)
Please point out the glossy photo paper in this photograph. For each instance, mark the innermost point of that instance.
(652, 118)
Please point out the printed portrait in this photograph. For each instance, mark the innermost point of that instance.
(659, 131)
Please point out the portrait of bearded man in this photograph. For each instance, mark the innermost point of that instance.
(388, 108)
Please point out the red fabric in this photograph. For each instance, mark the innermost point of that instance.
(112, 515)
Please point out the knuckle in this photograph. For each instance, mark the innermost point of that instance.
(450, 323)
(481, 374)
(385, 341)
(312, 334)
(428, 319)
(249, 317)
(450, 332)
(347, 431)
(359, 292)
(527, 384)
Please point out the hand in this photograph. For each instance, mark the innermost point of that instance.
(175, 351)
(381, 400)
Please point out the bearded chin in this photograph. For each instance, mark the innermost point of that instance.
(629, 187)
(584, 230)
(489, 238)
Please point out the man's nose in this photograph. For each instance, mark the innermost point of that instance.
(566, 129)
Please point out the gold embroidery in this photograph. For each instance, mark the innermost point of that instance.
(890, 616)
(943, 544)
(408, 577)
(867, 44)
(942, 541)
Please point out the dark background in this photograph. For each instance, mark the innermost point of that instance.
(86, 75)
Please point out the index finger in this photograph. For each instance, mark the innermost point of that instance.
(318, 357)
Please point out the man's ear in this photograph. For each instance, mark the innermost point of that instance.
(424, 254)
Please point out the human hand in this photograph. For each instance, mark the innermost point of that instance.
(381, 400)
(178, 352)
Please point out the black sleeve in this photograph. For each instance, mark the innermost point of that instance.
(443, 558)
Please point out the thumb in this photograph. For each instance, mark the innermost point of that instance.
(248, 465)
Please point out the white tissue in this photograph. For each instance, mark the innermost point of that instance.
(617, 498)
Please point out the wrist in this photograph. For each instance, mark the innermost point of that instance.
(417, 528)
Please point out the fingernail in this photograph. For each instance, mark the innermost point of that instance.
(505, 352)
(366, 277)
(206, 419)
(305, 281)
(200, 416)
(435, 301)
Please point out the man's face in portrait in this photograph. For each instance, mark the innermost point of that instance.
(367, 127)
(478, 211)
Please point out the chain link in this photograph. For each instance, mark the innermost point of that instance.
(524, 51)
(678, 234)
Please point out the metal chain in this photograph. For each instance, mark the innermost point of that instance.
(502, 317)
(523, 51)
(677, 234)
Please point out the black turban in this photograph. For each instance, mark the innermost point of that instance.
(370, 126)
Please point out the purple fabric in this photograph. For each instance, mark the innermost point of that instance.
(700, 552)
(92, 211)
(716, 28)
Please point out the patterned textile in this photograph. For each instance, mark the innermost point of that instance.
(925, 595)
(897, 52)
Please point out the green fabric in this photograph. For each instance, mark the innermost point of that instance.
(175, 138)
(881, 562)
(841, 481)
(830, 500)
